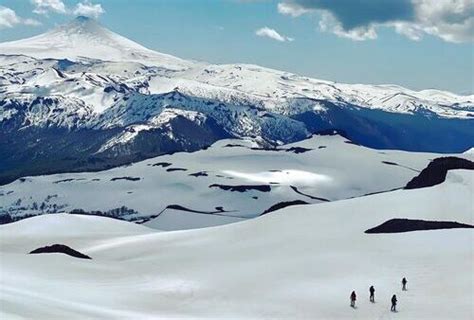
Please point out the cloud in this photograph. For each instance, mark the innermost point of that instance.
(9, 18)
(83, 8)
(291, 9)
(353, 14)
(272, 34)
(450, 20)
(329, 23)
(88, 9)
(45, 6)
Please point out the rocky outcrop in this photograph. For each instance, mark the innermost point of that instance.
(435, 173)
(406, 225)
(61, 248)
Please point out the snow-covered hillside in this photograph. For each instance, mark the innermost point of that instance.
(231, 181)
(298, 263)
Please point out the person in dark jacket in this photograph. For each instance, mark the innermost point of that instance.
(394, 304)
(353, 299)
(404, 284)
(372, 294)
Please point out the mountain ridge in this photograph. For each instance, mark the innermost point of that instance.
(114, 111)
(91, 29)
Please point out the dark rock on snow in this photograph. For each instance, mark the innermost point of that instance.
(282, 205)
(242, 188)
(125, 178)
(406, 225)
(60, 248)
(435, 172)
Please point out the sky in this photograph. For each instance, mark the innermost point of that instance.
(419, 44)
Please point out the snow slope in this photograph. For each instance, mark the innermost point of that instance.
(313, 170)
(299, 263)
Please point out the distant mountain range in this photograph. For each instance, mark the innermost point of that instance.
(81, 97)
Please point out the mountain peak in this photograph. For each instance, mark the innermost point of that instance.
(82, 24)
(83, 19)
(85, 37)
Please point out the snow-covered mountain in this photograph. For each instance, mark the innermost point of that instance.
(81, 97)
(85, 38)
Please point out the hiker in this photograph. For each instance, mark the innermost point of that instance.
(394, 304)
(353, 299)
(372, 294)
(404, 284)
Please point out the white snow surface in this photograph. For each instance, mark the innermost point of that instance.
(298, 263)
(331, 169)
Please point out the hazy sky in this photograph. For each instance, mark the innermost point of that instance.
(415, 43)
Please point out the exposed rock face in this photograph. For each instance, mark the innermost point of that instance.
(406, 225)
(282, 205)
(435, 172)
(60, 248)
(242, 188)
